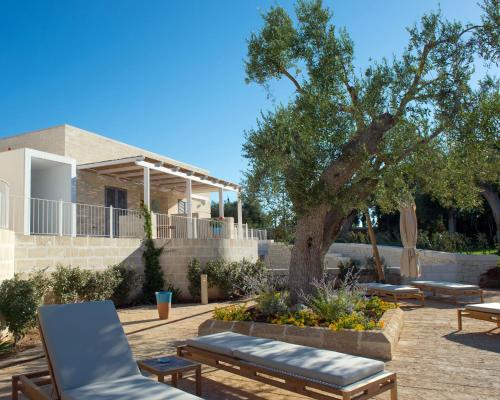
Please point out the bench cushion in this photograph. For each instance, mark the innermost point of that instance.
(324, 365)
(130, 388)
(392, 288)
(492, 308)
(86, 343)
(445, 285)
(226, 342)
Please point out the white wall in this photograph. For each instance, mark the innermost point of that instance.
(52, 182)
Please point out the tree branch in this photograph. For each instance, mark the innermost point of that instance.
(294, 81)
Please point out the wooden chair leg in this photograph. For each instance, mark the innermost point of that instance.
(459, 315)
(481, 295)
(394, 392)
(15, 390)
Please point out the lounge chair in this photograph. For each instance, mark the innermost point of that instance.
(396, 292)
(320, 374)
(452, 289)
(89, 358)
(484, 311)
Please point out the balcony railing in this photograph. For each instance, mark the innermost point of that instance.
(55, 217)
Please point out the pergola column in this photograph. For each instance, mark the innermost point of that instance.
(221, 203)
(240, 217)
(189, 208)
(147, 194)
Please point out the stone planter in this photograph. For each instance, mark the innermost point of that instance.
(379, 344)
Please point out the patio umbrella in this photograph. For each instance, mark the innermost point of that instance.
(409, 266)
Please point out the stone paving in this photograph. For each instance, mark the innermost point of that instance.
(432, 360)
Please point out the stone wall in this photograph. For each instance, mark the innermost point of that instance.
(179, 252)
(435, 265)
(275, 255)
(7, 240)
(85, 252)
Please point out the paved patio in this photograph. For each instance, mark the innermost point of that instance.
(433, 360)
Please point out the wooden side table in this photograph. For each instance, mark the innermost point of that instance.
(173, 366)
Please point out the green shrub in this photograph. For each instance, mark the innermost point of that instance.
(19, 301)
(193, 275)
(153, 274)
(130, 282)
(273, 303)
(374, 307)
(71, 285)
(176, 292)
(235, 278)
(330, 303)
(356, 321)
(232, 313)
(298, 318)
(348, 270)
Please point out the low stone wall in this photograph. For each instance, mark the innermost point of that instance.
(275, 255)
(85, 252)
(378, 344)
(7, 241)
(179, 252)
(435, 265)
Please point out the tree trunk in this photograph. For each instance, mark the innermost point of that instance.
(314, 235)
(452, 220)
(376, 255)
(493, 199)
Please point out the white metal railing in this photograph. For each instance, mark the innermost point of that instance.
(4, 205)
(56, 217)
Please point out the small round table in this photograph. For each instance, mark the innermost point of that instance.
(173, 366)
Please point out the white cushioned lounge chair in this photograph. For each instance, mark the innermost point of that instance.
(305, 370)
(89, 357)
(483, 311)
(396, 292)
(452, 289)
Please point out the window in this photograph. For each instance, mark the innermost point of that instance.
(181, 207)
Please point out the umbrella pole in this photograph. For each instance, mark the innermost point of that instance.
(376, 255)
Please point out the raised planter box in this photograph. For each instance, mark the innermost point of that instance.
(378, 344)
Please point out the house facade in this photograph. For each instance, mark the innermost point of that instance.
(67, 188)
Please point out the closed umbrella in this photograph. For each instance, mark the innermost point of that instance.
(409, 266)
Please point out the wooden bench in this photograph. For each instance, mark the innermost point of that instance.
(485, 312)
(267, 361)
(396, 292)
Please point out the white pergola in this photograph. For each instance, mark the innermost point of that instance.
(164, 176)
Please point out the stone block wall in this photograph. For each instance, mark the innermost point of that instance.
(179, 252)
(7, 242)
(85, 252)
(277, 255)
(435, 265)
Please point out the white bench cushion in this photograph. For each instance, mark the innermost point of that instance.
(392, 288)
(493, 308)
(130, 388)
(225, 342)
(324, 365)
(446, 285)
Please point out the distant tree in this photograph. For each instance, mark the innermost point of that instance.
(348, 140)
(253, 214)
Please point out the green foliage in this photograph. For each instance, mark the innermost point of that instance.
(375, 307)
(331, 303)
(235, 278)
(193, 275)
(153, 274)
(348, 138)
(253, 215)
(130, 284)
(273, 303)
(356, 321)
(232, 313)
(70, 285)
(19, 301)
(5, 345)
(348, 270)
(298, 318)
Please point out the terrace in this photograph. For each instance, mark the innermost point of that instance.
(432, 360)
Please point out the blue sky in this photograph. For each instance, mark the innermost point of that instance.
(164, 75)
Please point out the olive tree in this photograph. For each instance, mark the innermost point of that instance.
(347, 139)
